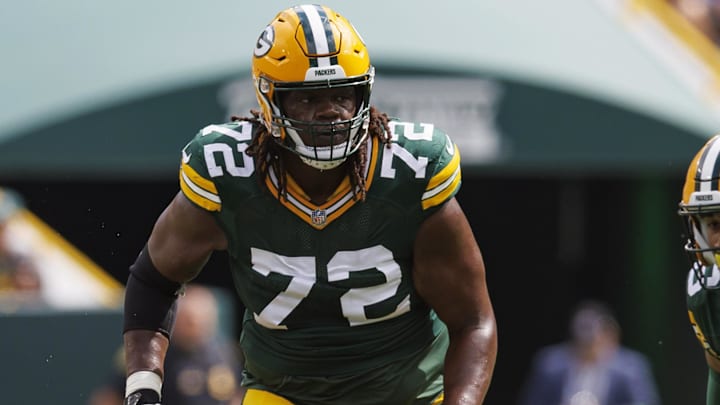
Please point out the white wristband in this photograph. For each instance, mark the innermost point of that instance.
(140, 380)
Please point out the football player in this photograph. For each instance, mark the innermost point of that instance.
(700, 209)
(362, 279)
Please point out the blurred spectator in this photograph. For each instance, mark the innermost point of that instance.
(591, 368)
(704, 14)
(202, 366)
(20, 282)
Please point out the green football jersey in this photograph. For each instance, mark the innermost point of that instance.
(328, 288)
(704, 307)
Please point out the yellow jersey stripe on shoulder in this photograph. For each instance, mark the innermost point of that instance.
(198, 189)
(446, 172)
(441, 193)
(443, 184)
(197, 179)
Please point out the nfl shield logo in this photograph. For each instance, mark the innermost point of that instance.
(318, 217)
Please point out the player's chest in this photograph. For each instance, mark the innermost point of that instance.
(269, 224)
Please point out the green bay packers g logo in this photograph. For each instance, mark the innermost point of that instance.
(265, 42)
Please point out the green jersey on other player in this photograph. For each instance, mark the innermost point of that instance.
(703, 306)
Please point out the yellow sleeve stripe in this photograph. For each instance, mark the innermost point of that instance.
(444, 183)
(197, 179)
(447, 171)
(199, 190)
(443, 191)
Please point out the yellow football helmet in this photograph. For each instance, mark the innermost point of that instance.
(701, 196)
(309, 47)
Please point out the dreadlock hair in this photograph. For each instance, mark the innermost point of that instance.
(267, 152)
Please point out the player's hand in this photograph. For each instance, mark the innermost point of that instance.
(143, 397)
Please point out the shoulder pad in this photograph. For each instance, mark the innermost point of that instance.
(434, 156)
(217, 151)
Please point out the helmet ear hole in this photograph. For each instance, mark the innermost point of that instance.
(264, 85)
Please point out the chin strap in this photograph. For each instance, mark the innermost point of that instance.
(322, 164)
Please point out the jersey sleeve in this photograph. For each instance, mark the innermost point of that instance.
(213, 162)
(445, 176)
(195, 181)
(426, 158)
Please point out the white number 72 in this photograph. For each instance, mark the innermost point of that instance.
(301, 269)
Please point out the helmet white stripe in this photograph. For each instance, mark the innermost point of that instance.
(319, 34)
(706, 169)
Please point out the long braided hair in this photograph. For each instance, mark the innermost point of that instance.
(267, 152)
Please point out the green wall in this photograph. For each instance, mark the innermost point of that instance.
(56, 357)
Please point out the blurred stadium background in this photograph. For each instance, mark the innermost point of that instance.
(576, 120)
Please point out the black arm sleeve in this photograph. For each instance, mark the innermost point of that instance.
(150, 297)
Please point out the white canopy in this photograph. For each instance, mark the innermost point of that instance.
(62, 59)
